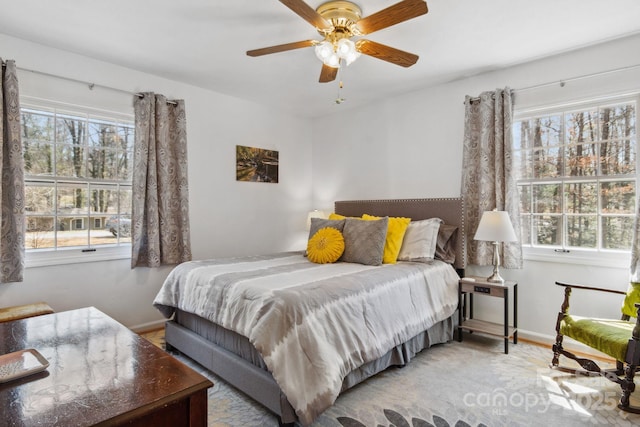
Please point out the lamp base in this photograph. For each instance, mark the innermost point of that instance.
(495, 278)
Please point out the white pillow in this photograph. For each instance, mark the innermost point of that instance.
(419, 243)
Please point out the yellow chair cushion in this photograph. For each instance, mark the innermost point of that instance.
(326, 246)
(395, 234)
(606, 335)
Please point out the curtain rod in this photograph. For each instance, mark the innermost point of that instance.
(90, 85)
(562, 82)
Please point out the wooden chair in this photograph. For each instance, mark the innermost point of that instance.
(619, 339)
(17, 312)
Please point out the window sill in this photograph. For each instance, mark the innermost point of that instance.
(46, 258)
(577, 257)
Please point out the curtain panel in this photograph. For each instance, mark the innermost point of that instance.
(488, 179)
(12, 176)
(160, 232)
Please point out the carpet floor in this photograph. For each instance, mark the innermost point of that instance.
(472, 383)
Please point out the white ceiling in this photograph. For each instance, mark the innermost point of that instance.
(203, 42)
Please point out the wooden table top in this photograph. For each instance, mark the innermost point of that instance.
(100, 372)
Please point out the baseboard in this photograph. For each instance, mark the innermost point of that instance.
(148, 327)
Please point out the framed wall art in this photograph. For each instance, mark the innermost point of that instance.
(256, 164)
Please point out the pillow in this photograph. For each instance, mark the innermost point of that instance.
(325, 246)
(364, 240)
(446, 244)
(420, 240)
(395, 234)
(318, 223)
(334, 215)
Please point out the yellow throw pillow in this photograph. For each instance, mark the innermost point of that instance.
(395, 233)
(334, 215)
(326, 246)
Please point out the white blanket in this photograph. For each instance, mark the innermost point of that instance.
(313, 323)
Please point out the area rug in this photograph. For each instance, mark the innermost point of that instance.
(472, 383)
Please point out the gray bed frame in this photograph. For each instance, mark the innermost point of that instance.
(191, 335)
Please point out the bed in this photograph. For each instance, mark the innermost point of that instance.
(247, 349)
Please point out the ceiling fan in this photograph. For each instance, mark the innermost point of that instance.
(340, 21)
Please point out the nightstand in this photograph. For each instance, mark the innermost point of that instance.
(479, 286)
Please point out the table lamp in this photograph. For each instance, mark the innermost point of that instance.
(495, 226)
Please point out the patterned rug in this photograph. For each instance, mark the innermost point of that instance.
(472, 383)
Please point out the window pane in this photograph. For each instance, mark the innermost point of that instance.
(70, 130)
(125, 165)
(103, 134)
(582, 160)
(581, 126)
(582, 231)
(39, 232)
(72, 200)
(581, 197)
(125, 200)
(39, 198)
(70, 161)
(36, 127)
(618, 157)
(102, 163)
(617, 232)
(104, 199)
(72, 230)
(618, 122)
(547, 163)
(618, 197)
(546, 198)
(38, 158)
(125, 138)
(547, 230)
(547, 131)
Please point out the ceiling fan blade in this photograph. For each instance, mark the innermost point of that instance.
(281, 48)
(307, 13)
(386, 53)
(328, 74)
(392, 15)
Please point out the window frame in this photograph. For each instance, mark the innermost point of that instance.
(77, 254)
(593, 257)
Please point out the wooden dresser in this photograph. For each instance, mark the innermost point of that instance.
(100, 373)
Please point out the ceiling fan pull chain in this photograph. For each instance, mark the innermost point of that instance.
(339, 99)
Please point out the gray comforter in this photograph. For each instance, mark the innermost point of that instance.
(313, 323)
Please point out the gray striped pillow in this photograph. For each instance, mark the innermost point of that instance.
(420, 240)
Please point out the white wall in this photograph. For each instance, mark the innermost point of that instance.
(411, 147)
(227, 217)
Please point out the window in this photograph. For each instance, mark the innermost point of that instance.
(78, 165)
(576, 173)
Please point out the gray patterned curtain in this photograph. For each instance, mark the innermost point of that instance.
(160, 219)
(488, 180)
(12, 187)
(635, 247)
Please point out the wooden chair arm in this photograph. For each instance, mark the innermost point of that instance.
(590, 288)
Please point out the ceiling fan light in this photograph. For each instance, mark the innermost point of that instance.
(351, 57)
(345, 48)
(332, 61)
(324, 50)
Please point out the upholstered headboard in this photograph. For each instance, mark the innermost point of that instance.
(450, 210)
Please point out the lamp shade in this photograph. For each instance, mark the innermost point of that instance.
(495, 226)
(314, 214)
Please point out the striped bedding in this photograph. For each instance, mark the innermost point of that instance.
(313, 323)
